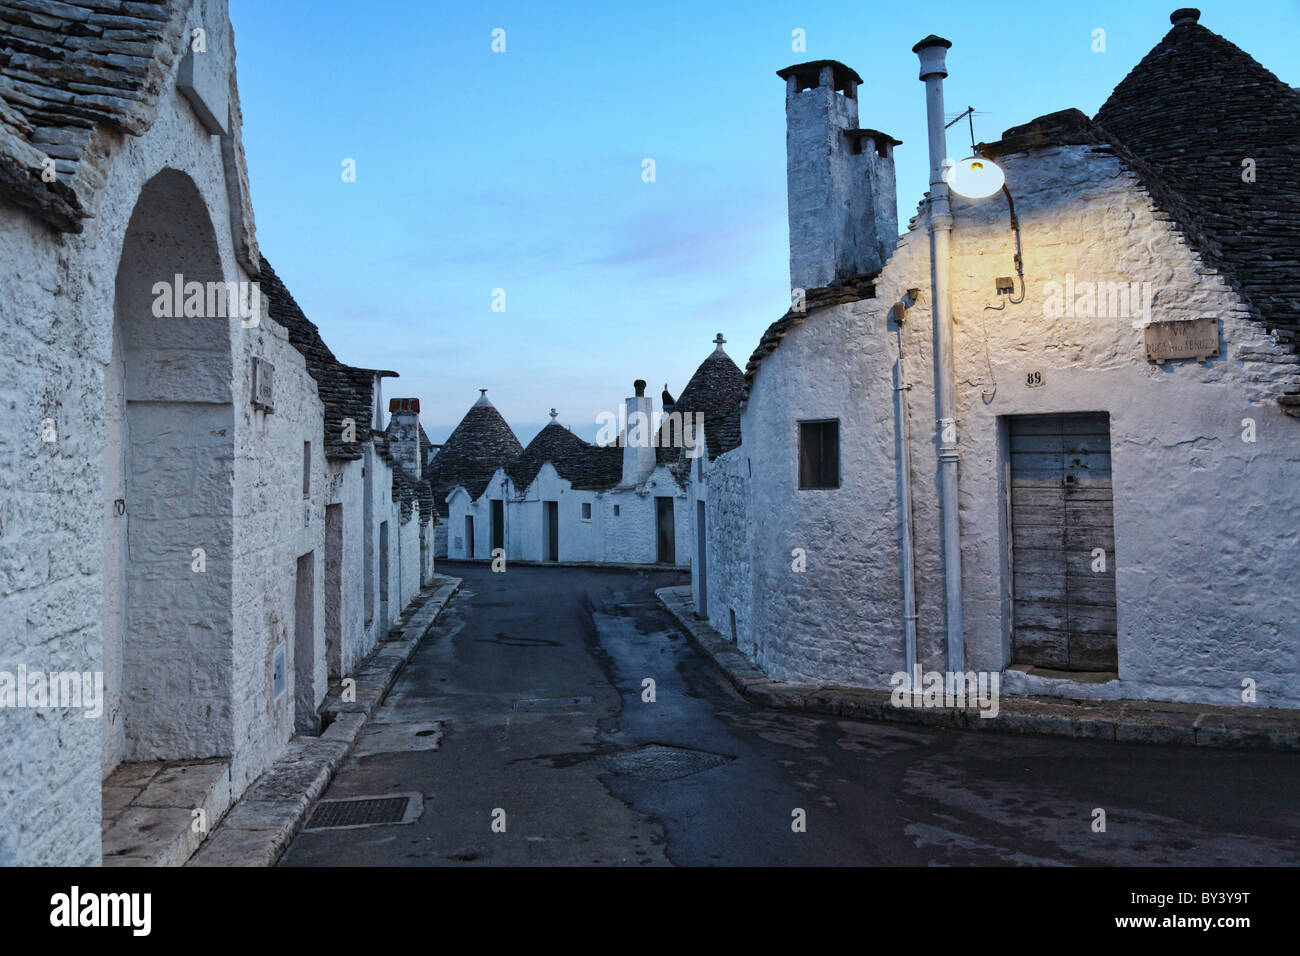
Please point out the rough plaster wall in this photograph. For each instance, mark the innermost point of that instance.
(579, 540)
(56, 322)
(631, 538)
(730, 548)
(460, 507)
(524, 527)
(847, 534)
(382, 510)
(272, 531)
(347, 487)
(1192, 621)
(440, 538)
(409, 553)
(114, 567)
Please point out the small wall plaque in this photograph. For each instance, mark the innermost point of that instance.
(1034, 380)
(1195, 339)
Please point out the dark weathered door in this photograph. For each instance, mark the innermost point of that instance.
(552, 543)
(700, 562)
(1062, 542)
(469, 536)
(666, 535)
(498, 524)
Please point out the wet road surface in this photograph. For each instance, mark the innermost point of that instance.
(524, 708)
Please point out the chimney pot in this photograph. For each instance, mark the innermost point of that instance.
(639, 387)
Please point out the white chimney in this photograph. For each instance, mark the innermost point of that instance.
(839, 178)
(404, 434)
(638, 445)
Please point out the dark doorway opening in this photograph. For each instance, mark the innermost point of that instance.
(551, 533)
(498, 524)
(700, 560)
(666, 552)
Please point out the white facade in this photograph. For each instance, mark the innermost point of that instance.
(1204, 460)
(156, 525)
(603, 537)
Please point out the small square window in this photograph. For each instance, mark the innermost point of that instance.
(819, 454)
(586, 511)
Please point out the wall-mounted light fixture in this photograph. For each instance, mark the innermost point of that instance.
(974, 177)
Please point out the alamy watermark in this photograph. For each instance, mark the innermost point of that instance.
(1091, 300)
(55, 690)
(946, 689)
(652, 430)
(179, 299)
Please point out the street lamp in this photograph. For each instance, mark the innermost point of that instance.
(974, 177)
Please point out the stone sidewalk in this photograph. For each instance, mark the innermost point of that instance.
(266, 818)
(1155, 722)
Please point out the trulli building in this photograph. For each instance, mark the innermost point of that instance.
(198, 504)
(1126, 432)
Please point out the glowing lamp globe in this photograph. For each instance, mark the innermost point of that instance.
(974, 177)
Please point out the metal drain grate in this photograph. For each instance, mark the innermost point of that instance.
(657, 762)
(553, 703)
(365, 812)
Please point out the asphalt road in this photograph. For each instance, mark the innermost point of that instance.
(525, 708)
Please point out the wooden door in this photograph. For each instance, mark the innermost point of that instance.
(1063, 542)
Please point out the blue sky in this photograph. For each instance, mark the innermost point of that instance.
(522, 170)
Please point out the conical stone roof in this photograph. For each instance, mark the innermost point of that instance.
(586, 467)
(1194, 109)
(478, 446)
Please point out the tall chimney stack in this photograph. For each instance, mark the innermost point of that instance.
(404, 434)
(839, 179)
(638, 447)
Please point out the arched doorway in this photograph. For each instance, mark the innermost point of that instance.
(169, 483)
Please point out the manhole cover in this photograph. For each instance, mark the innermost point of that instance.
(366, 812)
(657, 762)
(553, 703)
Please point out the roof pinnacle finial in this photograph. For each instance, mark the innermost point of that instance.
(719, 340)
(1185, 15)
(554, 416)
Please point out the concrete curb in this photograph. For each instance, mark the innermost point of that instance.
(260, 826)
(1137, 721)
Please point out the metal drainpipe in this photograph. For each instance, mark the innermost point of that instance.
(932, 51)
(905, 519)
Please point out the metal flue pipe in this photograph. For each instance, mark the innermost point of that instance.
(932, 53)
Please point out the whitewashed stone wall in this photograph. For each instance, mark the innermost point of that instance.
(273, 529)
(57, 294)
(729, 551)
(408, 569)
(605, 538)
(1204, 522)
(347, 489)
